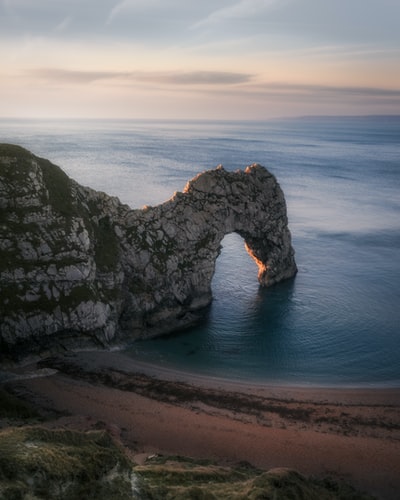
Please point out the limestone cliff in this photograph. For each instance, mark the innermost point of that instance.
(79, 268)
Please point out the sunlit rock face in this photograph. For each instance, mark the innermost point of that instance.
(79, 268)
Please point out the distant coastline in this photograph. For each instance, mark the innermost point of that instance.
(312, 117)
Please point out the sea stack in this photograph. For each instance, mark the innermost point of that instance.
(78, 268)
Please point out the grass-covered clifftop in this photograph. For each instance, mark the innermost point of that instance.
(41, 464)
(38, 463)
(180, 478)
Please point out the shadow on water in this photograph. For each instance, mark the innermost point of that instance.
(243, 330)
(324, 326)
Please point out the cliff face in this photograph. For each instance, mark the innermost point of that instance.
(79, 268)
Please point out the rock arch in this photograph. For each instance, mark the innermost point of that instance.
(78, 268)
(186, 234)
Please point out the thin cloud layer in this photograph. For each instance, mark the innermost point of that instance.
(240, 83)
(195, 78)
(310, 21)
(241, 12)
(215, 57)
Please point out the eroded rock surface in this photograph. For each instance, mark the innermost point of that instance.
(79, 268)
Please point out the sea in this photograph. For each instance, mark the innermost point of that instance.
(337, 323)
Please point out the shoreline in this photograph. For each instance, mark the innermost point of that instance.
(117, 358)
(348, 434)
(163, 370)
(158, 370)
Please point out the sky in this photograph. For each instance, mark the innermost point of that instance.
(198, 59)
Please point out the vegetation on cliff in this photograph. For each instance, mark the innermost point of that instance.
(40, 460)
(79, 268)
(38, 463)
(42, 464)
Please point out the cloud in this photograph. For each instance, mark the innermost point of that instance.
(358, 21)
(149, 22)
(316, 96)
(307, 23)
(288, 88)
(268, 24)
(204, 78)
(242, 11)
(117, 9)
(63, 25)
(188, 10)
(73, 76)
(234, 83)
(155, 22)
(66, 19)
(180, 78)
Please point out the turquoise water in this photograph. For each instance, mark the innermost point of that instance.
(338, 321)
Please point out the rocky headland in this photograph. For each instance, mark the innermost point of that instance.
(78, 268)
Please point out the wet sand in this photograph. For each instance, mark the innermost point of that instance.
(350, 434)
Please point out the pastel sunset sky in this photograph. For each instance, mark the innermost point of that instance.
(200, 59)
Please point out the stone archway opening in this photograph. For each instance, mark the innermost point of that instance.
(235, 269)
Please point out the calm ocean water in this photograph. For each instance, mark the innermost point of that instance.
(338, 321)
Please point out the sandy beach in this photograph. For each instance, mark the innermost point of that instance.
(349, 434)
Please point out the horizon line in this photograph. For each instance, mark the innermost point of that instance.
(143, 119)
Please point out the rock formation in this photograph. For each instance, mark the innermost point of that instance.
(79, 268)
